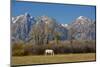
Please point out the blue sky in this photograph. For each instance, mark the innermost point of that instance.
(62, 13)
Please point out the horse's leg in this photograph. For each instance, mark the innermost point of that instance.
(53, 53)
(45, 53)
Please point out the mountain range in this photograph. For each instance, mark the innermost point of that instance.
(25, 27)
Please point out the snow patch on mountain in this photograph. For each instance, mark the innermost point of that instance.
(64, 25)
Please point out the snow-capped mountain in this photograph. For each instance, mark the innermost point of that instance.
(84, 27)
(23, 26)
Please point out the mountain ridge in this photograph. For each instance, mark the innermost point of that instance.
(22, 26)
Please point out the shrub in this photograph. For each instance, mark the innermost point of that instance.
(20, 49)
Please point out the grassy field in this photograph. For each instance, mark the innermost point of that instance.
(41, 59)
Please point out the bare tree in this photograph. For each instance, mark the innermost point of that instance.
(42, 30)
(72, 32)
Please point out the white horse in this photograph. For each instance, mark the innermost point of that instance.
(49, 52)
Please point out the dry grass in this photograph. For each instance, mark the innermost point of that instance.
(41, 59)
